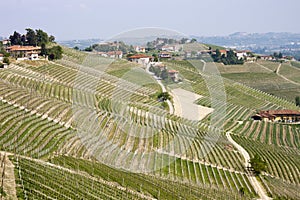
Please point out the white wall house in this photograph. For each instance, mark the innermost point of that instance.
(141, 59)
(24, 52)
(140, 49)
(241, 54)
(112, 54)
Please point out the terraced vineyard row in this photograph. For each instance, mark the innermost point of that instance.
(280, 189)
(237, 93)
(41, 181)
(56, 107)
(29, 134)
(270, 133)
(209, 177)
(282, 162)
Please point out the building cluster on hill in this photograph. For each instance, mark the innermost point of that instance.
(161, 71)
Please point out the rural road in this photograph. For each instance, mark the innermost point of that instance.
(277, 72)
(255, 183)
(9, 182)
(163, 88)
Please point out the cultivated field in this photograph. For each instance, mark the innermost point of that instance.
(85, 127)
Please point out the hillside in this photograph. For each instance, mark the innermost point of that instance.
(279, 79)
(85, 127)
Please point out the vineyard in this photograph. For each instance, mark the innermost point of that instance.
(85, 127)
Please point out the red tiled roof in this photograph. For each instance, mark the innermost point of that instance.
(164, 52)
(115, 53)
(1, 55)
(137, 56)
(273, 113)
(172, 71)
(23, 48)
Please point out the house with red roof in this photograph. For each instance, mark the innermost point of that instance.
(141, 59)
(288, 116)
(164, 54)
(174, 75)
(111, 54)
(24, 52)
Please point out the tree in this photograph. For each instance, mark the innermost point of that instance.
(164, 74)
(164, 96)
(41, 37)
(242, 191)
(76, 48)
(297, 99)
(257, 164)
(43, 49)
(88, 49)
(15, 38)
(55, 53)
(31, 37)
(193, 40)
(183, 40)
(280, 55)
(23, 39)
(6, 60)
(51, 38)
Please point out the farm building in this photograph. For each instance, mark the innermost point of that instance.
(24, 52)
(111, 54)
(278, 116)
(174, 75)
(164, 55)
(141, 59)
(140, 49)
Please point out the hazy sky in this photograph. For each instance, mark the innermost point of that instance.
(82, 19)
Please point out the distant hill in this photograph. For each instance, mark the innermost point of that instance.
(263, 43)
(81, 44)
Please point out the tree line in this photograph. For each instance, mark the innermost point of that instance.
(31, 38)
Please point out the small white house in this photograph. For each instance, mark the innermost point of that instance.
(241, 54)
(112, 54)
(140, 59)
(171, 48)
(140, 49)
(1, 57)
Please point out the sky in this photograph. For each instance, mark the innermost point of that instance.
(86, 19)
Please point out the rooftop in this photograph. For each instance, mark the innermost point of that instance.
(137, 56)
(267, 113)
(22, 48)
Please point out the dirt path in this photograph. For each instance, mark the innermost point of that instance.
(255, 183)
(277, 72)
(9, 182)
(163, 88)
(265, 67)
